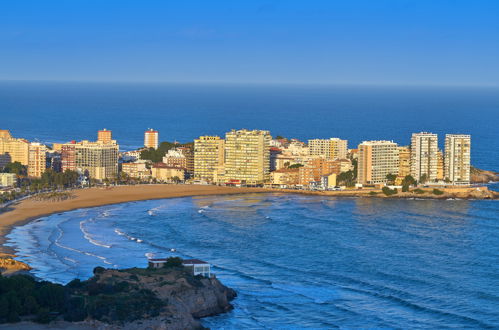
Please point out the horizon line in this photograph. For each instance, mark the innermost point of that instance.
(252, 83)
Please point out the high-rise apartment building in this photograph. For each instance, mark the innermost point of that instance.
(98, 158)
(151, 139)
(37, 160)
(12, 149)
(404, 162)
(208, 157)
(424, 156)
(332, 148)
(105, 136)
(188, 153)
(457, 158)
(247, 156)
(377, 159)
(440, 166)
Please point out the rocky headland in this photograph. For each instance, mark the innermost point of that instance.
(135, 298)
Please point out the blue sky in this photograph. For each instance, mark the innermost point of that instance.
(397, 42)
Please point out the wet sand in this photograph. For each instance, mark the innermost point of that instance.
(29, 209)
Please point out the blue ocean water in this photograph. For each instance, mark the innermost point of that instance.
(59, 112)
(295, 260)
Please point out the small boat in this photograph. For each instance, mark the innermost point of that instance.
(173, 250)
(150, 212)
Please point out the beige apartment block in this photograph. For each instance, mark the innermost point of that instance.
(175, 158)
(37, 160)
(165, 173)
(285, 176)
(137, 170)
(377, 159)
(7, 179)
(457, 159)
(105, 136)
(12, 149)
(247, 157)
(333, 148)
(440, 166)
(208, 157)
(98, 158)
(151, 139)
(424, 158)
(404, 162)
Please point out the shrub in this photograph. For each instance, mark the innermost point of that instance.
(373, 193)
(99, 270)
(43, 316)
(388, 192)
(419, 191)
(405, 188)
(173, 262)
(437, 192)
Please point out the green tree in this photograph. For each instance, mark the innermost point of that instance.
(295, 166)
(346, 178)
(408, 180)
(391, 178)
(173, 262)
(423, 178)
(16, 168)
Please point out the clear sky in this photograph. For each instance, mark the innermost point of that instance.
(424, 42)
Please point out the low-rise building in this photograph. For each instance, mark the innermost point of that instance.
(175, 158)
(198, 267)
(8, 179)
(137, 170)
(316, 168)
(165, 173)
(285, 177)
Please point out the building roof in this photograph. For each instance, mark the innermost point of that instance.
(287, 170)
(163, 165)
(194, 262)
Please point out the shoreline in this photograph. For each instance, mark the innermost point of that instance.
(24, 211)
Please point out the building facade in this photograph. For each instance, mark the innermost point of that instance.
(404, 162)
(424, 156)
(37, 160)
(7, 179)
(377, 159)
(457, 159)
(316, 168)
(99, 159)
(175, 158)
(333, 148)
(13, 149)
(165, 173)
(247, 157)
(151, 139)
(209, 156)
(105, 136)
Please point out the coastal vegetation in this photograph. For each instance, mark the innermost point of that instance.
(115, 296)
(389, 192)
(156, 155)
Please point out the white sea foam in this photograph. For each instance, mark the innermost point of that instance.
(89, 238)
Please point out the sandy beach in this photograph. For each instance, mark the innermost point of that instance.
(29, 209)
(26, 210)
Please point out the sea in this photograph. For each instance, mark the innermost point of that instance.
(296, 261)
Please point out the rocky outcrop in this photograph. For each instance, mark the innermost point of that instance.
(9, 266)
(483, 176)
(184, 298)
